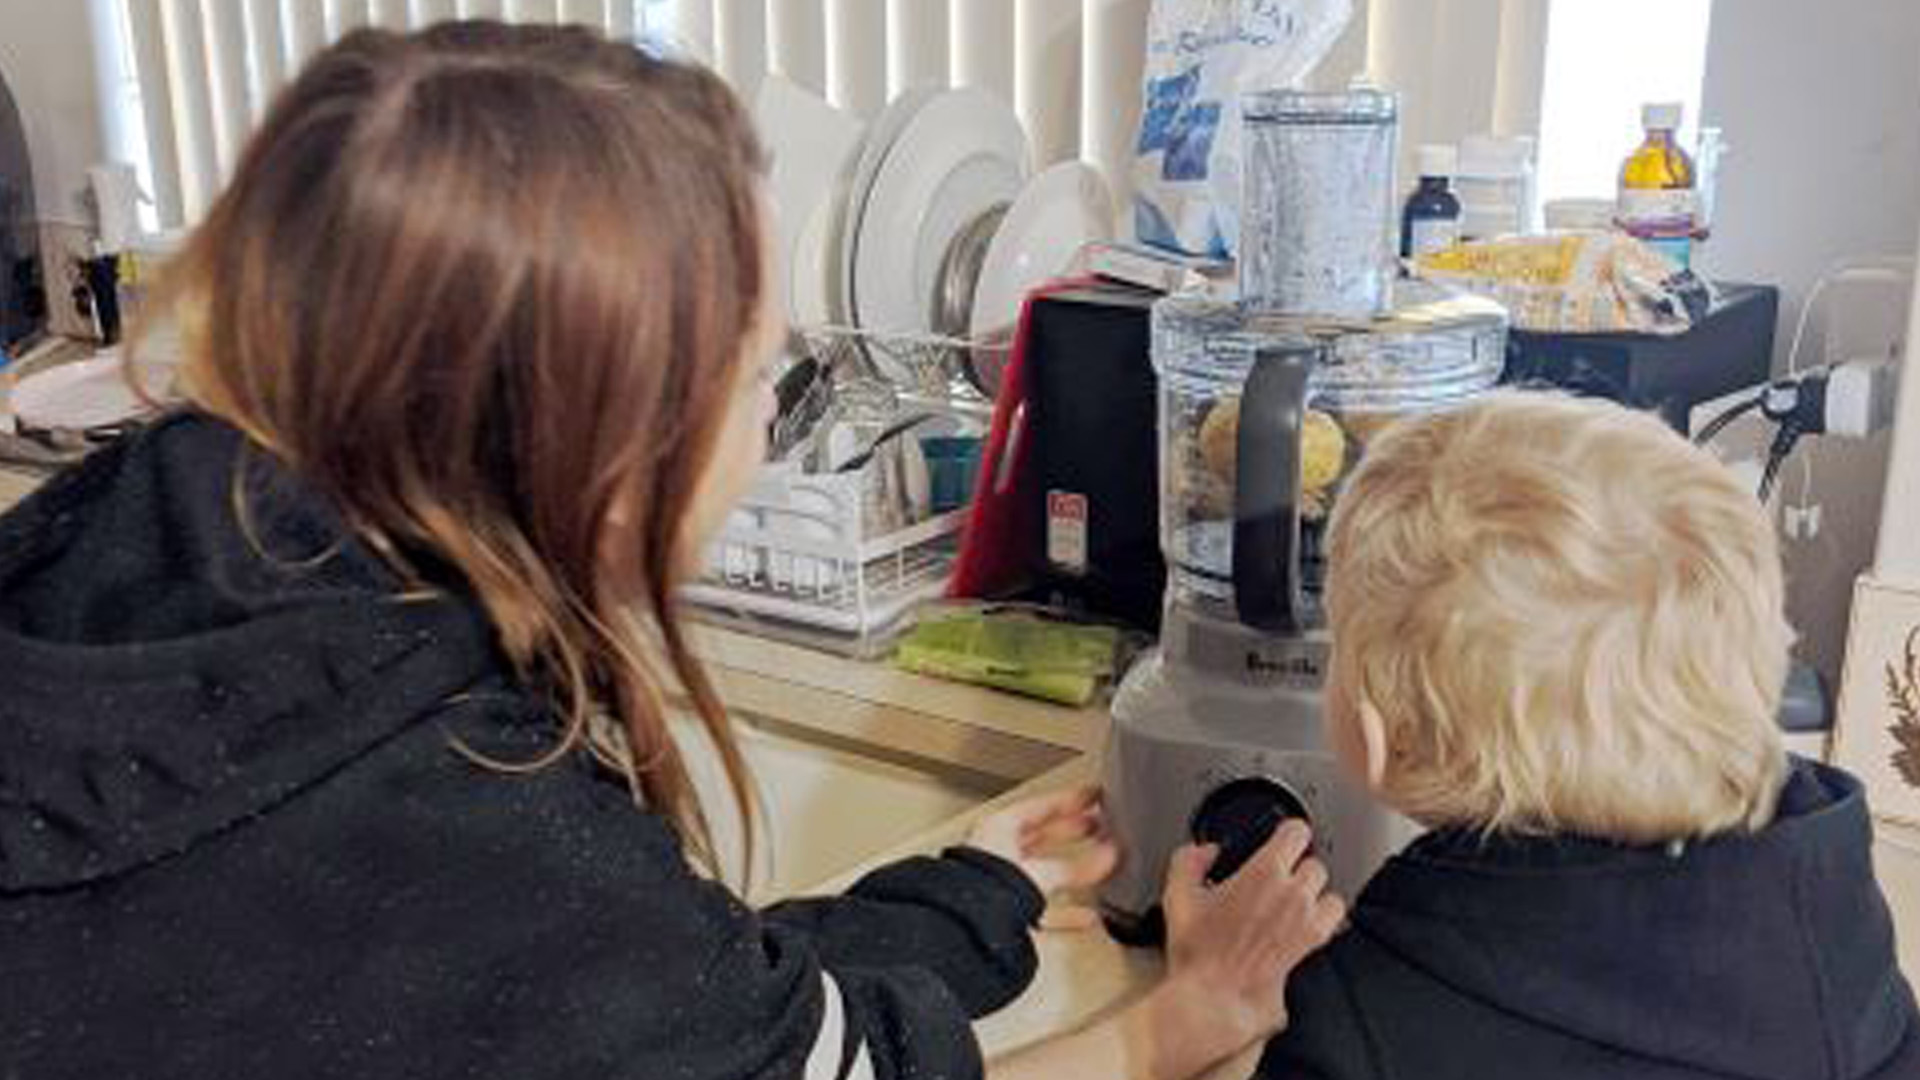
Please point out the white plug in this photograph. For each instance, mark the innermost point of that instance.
(1801, 522)
(1860, 398)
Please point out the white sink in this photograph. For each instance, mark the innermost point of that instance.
(827, 805)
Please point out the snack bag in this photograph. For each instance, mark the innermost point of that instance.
(1575, 282)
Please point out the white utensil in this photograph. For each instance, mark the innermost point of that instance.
(881, 135)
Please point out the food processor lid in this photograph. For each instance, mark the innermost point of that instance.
(1435, 347)
(1307, 107)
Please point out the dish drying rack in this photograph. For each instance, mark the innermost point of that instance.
(830, 559)
(955, 372)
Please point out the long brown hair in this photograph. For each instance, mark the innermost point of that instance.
(489, 288)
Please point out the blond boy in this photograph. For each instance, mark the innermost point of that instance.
(1559, 644)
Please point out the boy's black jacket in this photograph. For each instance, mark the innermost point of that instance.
(1747, 957)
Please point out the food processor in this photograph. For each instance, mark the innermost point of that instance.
(1217, 735)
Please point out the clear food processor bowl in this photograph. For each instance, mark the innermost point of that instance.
(1263, 417)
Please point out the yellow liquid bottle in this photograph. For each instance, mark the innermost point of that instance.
(1657, 196)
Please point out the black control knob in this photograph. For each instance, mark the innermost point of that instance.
(1240, 816)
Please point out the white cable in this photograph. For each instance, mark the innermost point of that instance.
(1796, 508)
(1806, 489)
(1889, 268)
(1800, 326)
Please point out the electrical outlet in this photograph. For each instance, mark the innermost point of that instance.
(63, 248)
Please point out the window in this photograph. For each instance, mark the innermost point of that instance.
(1606, 58)
(183, 82)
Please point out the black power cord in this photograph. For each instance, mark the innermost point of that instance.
(1718, 424)
(1799, 407)
(1796, 407)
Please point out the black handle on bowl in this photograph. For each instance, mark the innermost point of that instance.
(1266, 525)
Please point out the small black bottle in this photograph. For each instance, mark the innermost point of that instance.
(1431, 220)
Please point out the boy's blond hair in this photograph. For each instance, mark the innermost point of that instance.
(1568, 619)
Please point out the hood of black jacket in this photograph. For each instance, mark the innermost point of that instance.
(187, 638)
(1762, 957)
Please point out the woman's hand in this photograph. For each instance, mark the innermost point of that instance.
(1060, 841)
(1230, 947)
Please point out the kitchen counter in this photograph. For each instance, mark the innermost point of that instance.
(876, 705)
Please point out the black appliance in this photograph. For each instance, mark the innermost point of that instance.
(23, 302)
(1729, 350)
(1093, 455)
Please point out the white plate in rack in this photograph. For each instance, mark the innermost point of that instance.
(813, 148)
(881, 135)
(1056, 216)
(961, 153)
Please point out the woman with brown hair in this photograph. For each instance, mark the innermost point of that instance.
(327, 701)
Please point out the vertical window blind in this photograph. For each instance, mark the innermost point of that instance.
(199, 73)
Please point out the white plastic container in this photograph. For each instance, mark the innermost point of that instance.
(1497, 187)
